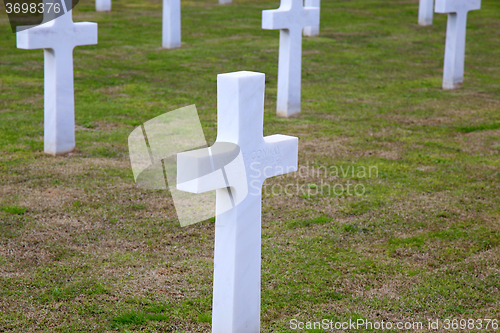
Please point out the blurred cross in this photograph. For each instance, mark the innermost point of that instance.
(454, 53)
(58, 38)
(171, 34)
(312, 31)
(291, 18)
(102, 5)
(425, 12)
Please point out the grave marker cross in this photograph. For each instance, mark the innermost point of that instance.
(313, 30)
(240, 117)
(171, 29)
(454, 53)
(58, 38)
(102, 5)
(425, 12)
(291, 18)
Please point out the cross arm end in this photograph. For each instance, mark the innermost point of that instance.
(271, 19)
(25, 40)
(88, 33)
(283, 153)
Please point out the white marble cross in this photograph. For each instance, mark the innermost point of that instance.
(171, 36)
(240, 117)
(102, 5)
(425, 12)
(290, 19)
(312, 31)
(454, 52)
(58, 38)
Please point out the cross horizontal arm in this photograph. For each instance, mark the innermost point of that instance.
(275, 19)
(50, 36)
(85, 33)
(39, 37)
(456, 6)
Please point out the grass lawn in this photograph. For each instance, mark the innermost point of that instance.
(82, 249)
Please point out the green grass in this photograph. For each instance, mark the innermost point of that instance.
(139, 318)
(481, 127)
(14, 210)
(82, 249)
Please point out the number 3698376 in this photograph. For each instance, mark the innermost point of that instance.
(32, 8)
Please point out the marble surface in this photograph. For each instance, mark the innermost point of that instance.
(171, 33)
(102, 5)
(425, 12)
(312, 31)
(290, 18)
(224, 2)
(58, 38)
(454, 52)
(240, 118)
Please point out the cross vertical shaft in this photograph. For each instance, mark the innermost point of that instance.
(454, 51)
(236, 302)
(289, 72)
(102, 5)
(171, 29)
(59, 101)
(425, 12)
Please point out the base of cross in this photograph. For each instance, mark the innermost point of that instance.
(424, 23)
(58, 146)
(286, 114)
(452, 86)
(59, 153)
